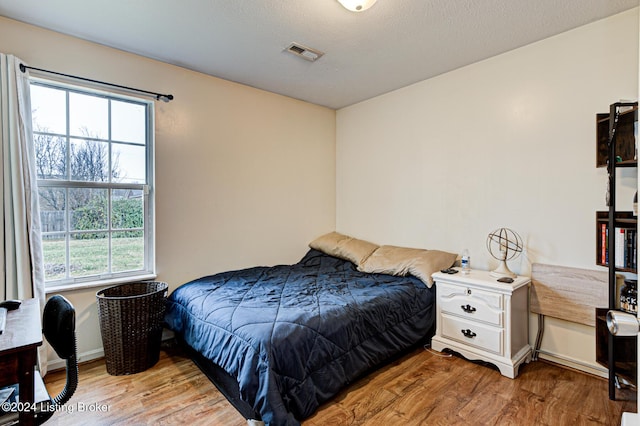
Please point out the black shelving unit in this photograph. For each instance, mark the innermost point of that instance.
(617, 133)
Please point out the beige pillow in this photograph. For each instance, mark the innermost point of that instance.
(355, 250)
(402, 261)
(327, 243)
(344, 247)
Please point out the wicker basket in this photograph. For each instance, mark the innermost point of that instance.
(131, 318)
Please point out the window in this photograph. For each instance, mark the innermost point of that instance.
(94, 159)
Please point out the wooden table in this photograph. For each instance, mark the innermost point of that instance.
(569, 294)
(19, 352)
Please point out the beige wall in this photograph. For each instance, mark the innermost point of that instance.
(507, 142)
(244, 177)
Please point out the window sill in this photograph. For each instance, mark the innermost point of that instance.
(95, 284)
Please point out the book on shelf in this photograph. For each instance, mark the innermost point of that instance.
(620, 248)
(626, 250)
(603, 244)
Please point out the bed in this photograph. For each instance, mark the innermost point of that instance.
(292, 336)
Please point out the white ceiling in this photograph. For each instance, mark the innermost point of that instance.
(391, 45)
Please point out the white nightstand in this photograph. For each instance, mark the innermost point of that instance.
(483, 319)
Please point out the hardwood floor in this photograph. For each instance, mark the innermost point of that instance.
(422, 388)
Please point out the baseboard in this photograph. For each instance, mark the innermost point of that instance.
(593, 369)
(58, 364)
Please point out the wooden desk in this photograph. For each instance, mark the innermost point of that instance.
(570, 294)
(19, 352)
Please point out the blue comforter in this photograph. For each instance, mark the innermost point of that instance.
(294, 335)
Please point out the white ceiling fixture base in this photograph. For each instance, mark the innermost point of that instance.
(357, 5)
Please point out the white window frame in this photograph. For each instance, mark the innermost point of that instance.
(149, 269)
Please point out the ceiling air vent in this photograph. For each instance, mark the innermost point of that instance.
(304, 52)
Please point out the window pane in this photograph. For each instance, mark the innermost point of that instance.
(51, 156)
(127, 210)
(55, 257)
(52, 206)
(88, 209)
(88, 116)
(89, 147)
(88, 254)
(89, 160)
(128, 122)
(127, 251)
(128, 163)
(48, 109)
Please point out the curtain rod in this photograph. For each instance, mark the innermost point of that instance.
(158, 96)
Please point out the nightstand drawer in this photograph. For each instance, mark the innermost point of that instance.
(474, 304)
(473, 334)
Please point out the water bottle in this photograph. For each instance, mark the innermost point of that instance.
(465, 262)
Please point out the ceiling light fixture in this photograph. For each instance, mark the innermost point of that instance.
(357, 5)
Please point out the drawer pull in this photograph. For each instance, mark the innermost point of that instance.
(468, 333)
(468, 309)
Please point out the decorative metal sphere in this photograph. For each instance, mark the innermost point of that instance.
(504, 244)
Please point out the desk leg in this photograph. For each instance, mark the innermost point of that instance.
(538, 343)
(26, 366)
